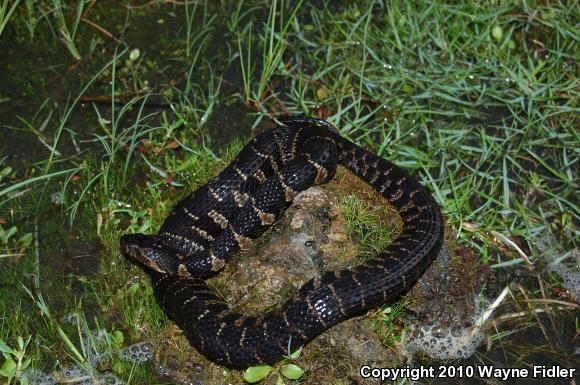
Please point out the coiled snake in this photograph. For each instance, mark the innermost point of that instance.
(215, 221)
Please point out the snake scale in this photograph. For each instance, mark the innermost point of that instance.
(218, 219)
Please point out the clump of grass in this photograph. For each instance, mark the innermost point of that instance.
(274, 45)
(384, 322)
(68, 32)
(365, 225)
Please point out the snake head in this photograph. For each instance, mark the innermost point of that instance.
(149, 251)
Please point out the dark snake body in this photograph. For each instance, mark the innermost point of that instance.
(211, 224)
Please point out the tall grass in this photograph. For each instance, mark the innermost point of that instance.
(68, 31)
(274, 44)
(7, 8)
(478, 100)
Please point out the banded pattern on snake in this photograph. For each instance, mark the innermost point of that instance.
(215, 221)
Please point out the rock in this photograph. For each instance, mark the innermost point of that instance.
(311, 237)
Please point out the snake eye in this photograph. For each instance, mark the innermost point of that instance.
(132, 244)
(145, 250)
(126, 243)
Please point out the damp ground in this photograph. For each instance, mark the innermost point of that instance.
(110, 112)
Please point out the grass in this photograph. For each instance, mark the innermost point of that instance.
(273, 47)
(385, 322)
(366, 225)
(7, 8)
(479, 100)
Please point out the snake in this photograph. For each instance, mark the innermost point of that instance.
(217, 220)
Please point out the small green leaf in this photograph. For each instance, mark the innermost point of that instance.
(134, 55)
(280, 381)
(497, 32)
(119, 367)
(5, 348)
(26, 363)
(117, 339)
(322, 93)
(5, 172)
(8, 368)
(296, 353)
(257, 373)
(25, 240)
(133, 289)
(11, 231)
(292, 372)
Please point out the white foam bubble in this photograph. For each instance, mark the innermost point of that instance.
(79, 376)
(138, 353)
(449, 342)
(442, 343)
(36, 377)
(568, 268)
